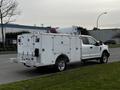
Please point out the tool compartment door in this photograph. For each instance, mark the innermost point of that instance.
(75, 49)
(61, 44)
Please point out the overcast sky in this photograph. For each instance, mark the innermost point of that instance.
(65, 13)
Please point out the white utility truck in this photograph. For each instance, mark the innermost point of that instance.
(44, 49)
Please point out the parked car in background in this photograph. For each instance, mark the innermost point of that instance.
(112, 41)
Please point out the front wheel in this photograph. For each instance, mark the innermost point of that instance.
(104, 58)
(61, 65)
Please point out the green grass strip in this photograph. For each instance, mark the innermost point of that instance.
(114, 46)
(95, 77)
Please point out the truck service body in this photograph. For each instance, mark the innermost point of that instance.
(45, 49)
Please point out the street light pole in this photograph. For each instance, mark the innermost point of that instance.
(97, 23)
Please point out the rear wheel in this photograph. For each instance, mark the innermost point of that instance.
(61, 65)
(104, 58)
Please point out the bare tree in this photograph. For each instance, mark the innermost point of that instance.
(8, 9)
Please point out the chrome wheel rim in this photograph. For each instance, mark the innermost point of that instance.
(61, 65)
(105, 58)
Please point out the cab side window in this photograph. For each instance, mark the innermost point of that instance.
(88, 41)
(85, 40)
(91, 41)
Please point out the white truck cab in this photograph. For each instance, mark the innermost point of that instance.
(36, 50)
(93, 49)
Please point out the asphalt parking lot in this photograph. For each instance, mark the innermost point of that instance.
(11, 72)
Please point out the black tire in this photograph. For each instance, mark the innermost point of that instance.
(104, 58)
(60, 64)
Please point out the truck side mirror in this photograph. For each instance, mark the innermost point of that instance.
(98, 43)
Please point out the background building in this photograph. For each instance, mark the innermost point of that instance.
(106, 35)
(12, 29)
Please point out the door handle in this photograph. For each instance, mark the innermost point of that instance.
(91, 47)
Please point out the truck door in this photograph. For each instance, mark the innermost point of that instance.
(89, 49)
(94, 49)
(27, 45)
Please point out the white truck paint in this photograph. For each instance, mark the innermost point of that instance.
(58, 49)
